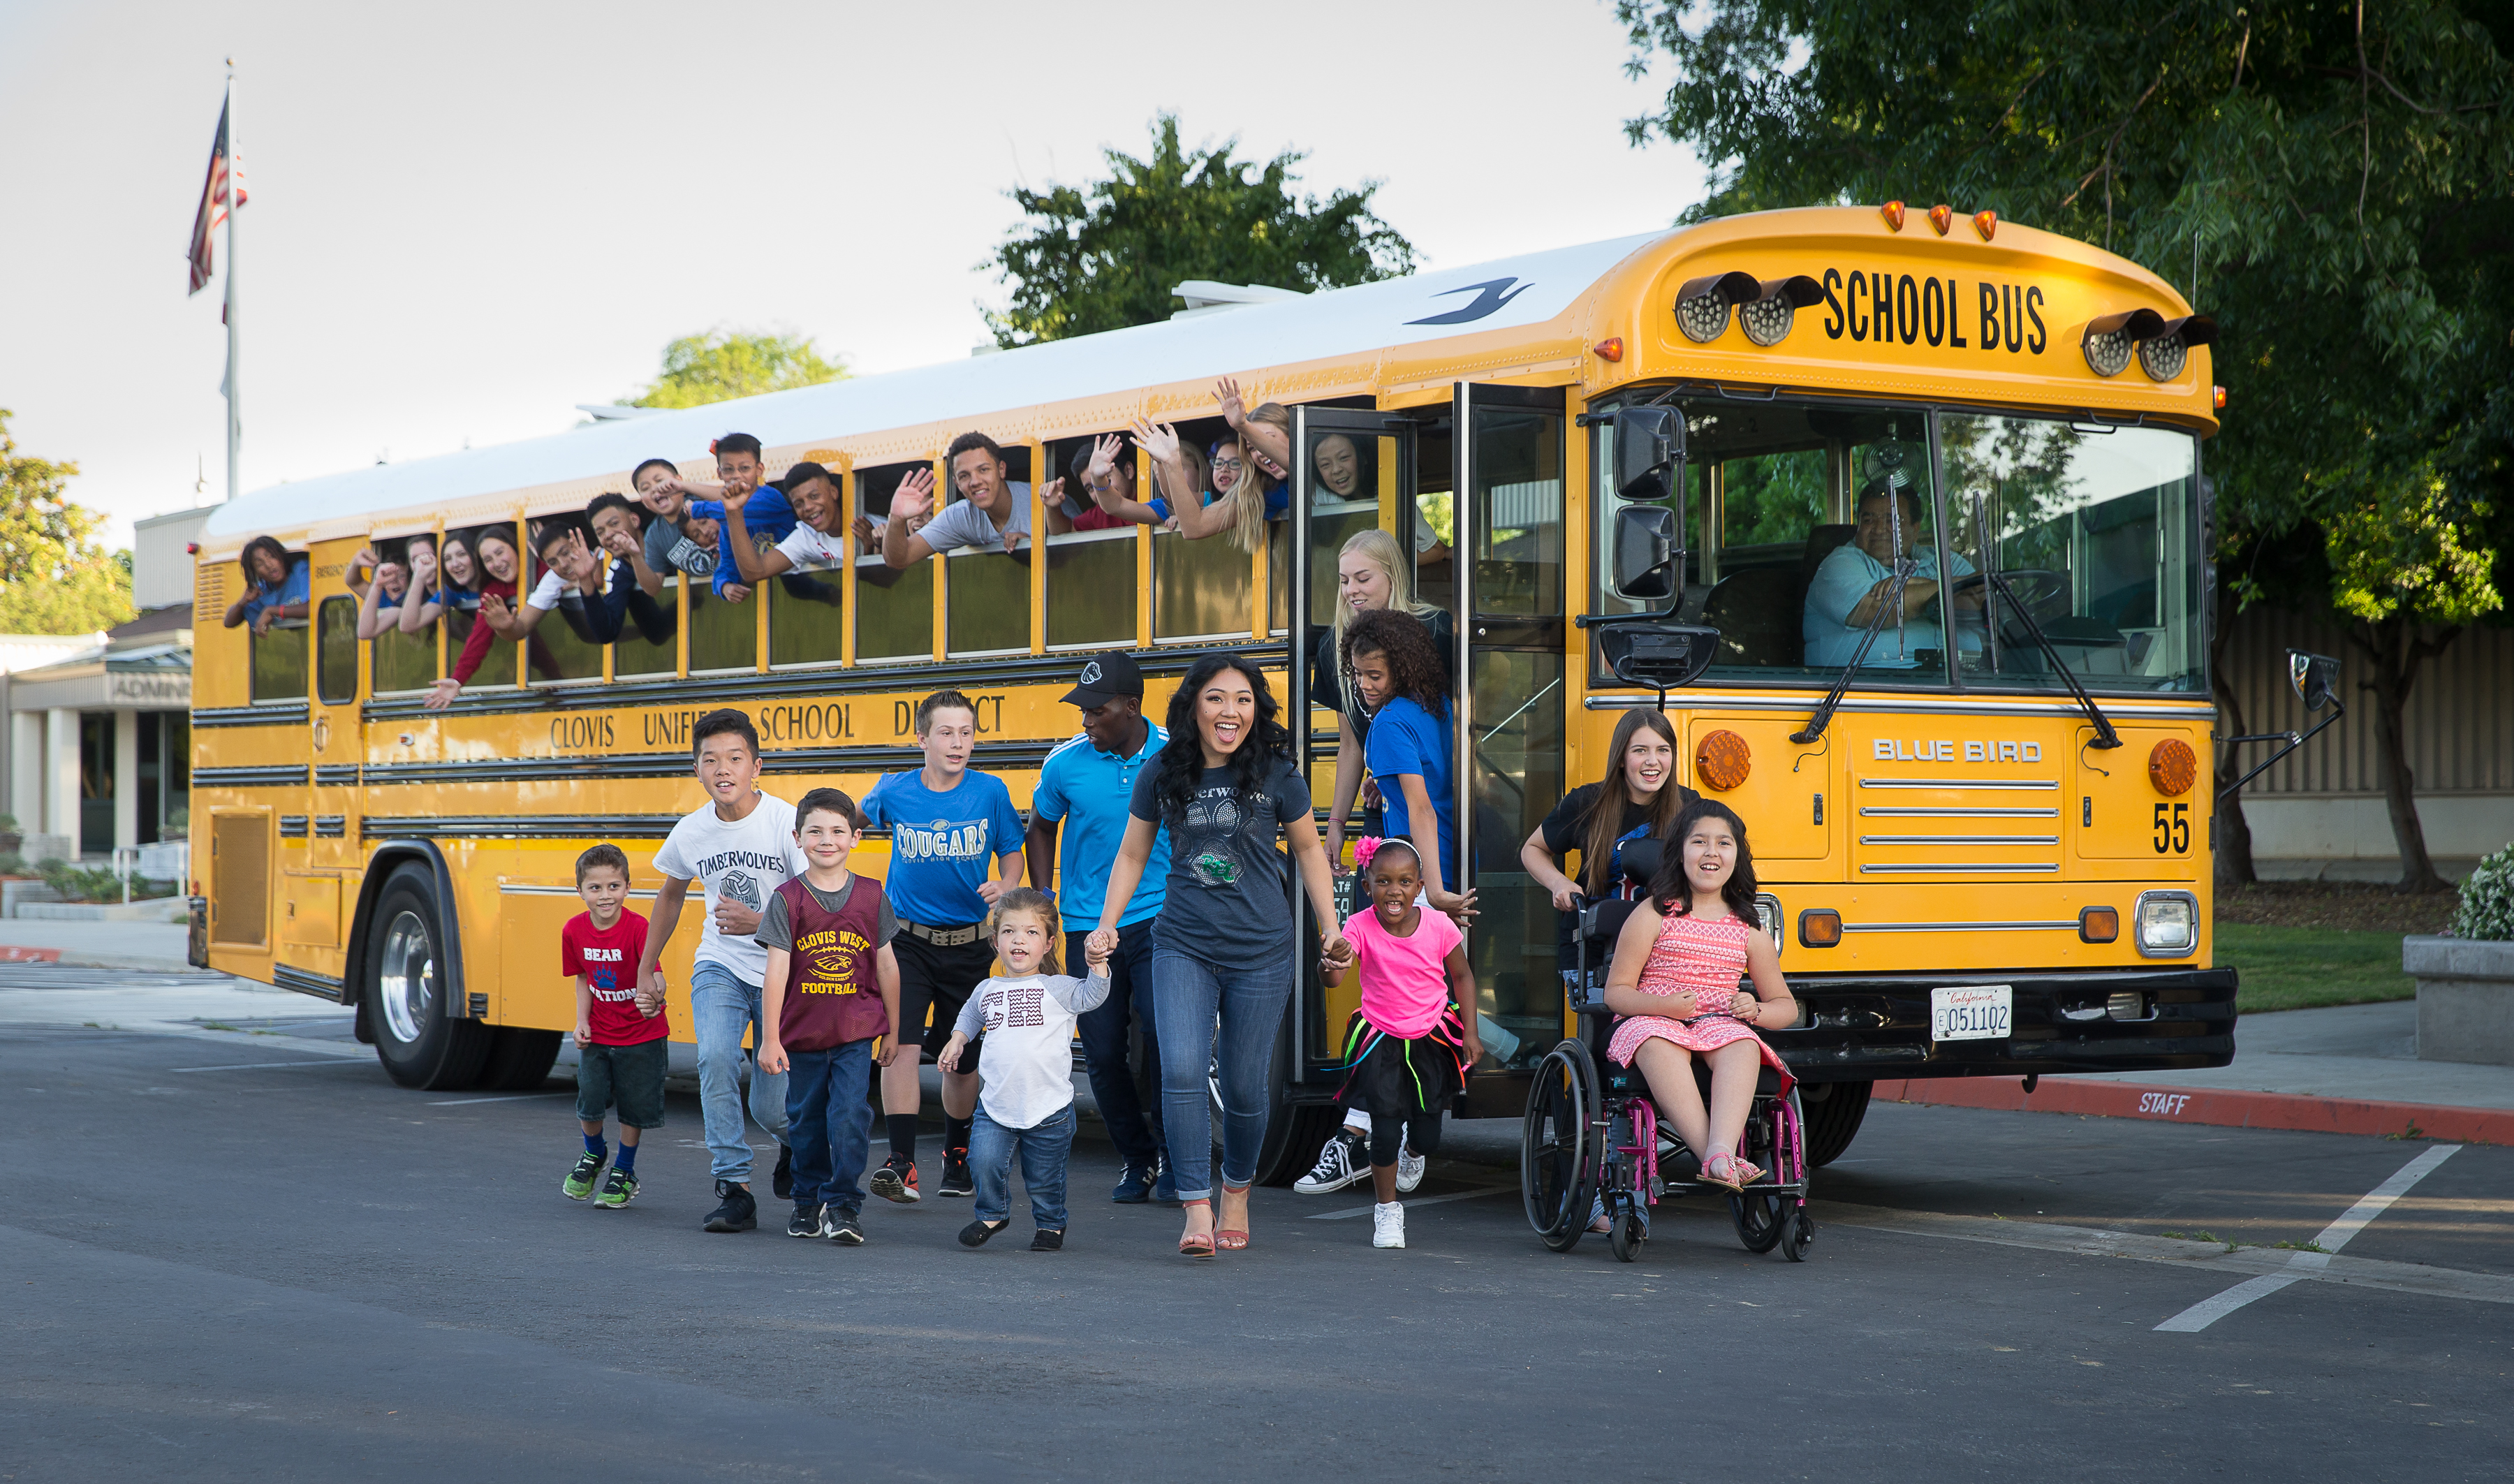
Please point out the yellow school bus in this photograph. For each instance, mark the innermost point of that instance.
(1983, 847)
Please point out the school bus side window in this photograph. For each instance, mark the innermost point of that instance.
(336, 664)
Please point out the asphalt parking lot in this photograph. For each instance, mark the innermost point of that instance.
(236, 1255)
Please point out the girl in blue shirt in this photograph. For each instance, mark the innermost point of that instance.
(1412, 747)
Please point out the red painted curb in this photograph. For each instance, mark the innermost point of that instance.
(11, 954)
(2216, 1106)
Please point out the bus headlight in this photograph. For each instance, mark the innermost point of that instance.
(2168, 924)
(1767, 916)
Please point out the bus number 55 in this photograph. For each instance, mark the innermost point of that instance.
(2173, 830)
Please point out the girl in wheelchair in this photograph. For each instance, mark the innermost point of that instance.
(1675, 977)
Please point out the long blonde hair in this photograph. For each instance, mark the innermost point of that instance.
(1248, 491)
(1384, 553)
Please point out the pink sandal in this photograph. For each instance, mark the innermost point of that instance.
(1723, 1170)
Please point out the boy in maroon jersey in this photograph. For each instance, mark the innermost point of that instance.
(829, 1000)
(620, 1048)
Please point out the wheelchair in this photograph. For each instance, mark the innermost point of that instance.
(1592, 1137)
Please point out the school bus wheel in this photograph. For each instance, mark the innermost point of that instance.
(404, 989)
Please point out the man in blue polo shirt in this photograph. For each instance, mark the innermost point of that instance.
(1085, 784)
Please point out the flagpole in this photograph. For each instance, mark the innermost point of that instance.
(235, 426)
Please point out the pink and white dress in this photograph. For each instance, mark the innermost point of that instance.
(1705, 958)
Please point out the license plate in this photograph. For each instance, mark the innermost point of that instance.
(1973, 1012)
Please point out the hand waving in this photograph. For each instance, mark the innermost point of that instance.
(914, 496)
(1227, 392)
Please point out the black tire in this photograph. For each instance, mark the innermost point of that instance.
(1834, 1113)
(1562, 1138)
(1759, 1221)
(1796, 1235)
(403, 984)
(519, 1060)
(1624, 1239)
(1295, 1132)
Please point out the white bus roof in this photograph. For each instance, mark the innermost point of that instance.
(1521, 291)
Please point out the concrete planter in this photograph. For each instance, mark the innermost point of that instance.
(157, 910)
(2465, 998)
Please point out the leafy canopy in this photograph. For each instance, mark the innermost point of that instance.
(55, 577)
(1106, 256)
(723, 364)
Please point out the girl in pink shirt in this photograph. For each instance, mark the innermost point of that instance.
(1407, 1049)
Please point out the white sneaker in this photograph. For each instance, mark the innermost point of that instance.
(1336, 1168)
(1388, 1224)
(1409, 1171)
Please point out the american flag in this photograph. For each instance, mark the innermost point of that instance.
(213, 213)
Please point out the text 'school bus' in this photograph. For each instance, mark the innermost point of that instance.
(1984, 847)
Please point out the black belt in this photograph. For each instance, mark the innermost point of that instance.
(945, 938)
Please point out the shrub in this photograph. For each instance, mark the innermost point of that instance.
(79, 884)
(2487, 900)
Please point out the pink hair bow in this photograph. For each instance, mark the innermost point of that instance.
(1363, 848)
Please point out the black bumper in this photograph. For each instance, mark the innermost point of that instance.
(1864, 1027)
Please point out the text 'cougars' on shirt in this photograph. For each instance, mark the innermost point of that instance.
(940, 841)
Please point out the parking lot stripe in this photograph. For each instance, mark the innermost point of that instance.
(267, 1065)
(1434, 1200)
(2303, 1264)
(509, 1097)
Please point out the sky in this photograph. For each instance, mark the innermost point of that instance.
(467, 217)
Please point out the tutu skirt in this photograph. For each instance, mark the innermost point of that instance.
(1394, 1077)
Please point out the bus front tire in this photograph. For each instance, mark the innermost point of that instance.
(1833, 1119)
(404, 991)
(519, 1060)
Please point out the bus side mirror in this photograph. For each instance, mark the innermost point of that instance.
(1646, 552)
(2313, 675)
(1648, 441)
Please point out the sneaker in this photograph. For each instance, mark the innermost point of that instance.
(1164, 1188)
(737, 1213)
(896, 1181)
(1409, 1171)
(975, 1235)
(1044, 1240)
(783, 1182)
(1134, 1183)
(844, 1230)
(807, 1221)
(956, 1179)
(1339, 1165)
(618, 1190)
(580, 1180)
(1388, 1224)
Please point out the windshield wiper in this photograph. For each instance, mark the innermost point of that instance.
(1904, 568)
(2105, 736)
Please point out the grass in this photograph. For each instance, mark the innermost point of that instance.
(2296, 968)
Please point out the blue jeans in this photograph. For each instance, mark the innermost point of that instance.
(1249, 999)
(829, 1123)
(1104, 1039)
(1044, 1147)
(723, 1007)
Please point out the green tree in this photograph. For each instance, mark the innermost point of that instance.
(2329, 180)
(55, 577)
(723, 364)
(1106, 256)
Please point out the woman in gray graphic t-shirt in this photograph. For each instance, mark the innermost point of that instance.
(1221, 946)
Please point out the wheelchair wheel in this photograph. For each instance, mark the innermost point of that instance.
(1559, 1146)
(1625, 1238)
(1797, 1235)
(1759, 1221)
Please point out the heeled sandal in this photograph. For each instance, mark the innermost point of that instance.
(1226, 1238)
(1196, 1244)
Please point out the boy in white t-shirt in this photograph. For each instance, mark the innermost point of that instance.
(741, 845)
(1026, 1063)
(819, 537)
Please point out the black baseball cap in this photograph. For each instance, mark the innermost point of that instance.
(1106, 676)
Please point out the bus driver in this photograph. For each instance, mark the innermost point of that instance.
(1860, 575)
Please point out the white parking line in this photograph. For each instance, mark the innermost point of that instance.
(267, 1065)
(1434, 1200)
(2334, 1236)
(509, 1098)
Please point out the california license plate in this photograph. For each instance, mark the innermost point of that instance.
(1973, 1012)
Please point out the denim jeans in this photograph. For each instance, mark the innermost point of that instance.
(1249, 1000)
(829, 1123)
(1104, 1038)
(1044, 1147)
(723, 1007)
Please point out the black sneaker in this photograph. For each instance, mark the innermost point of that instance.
(896, 1181)
(975, 1235)
(578, 1184)
(1048, 1241)
(844, 1230)
(807, 1221)
(738, 1212)
(1341, 1163)
(783, 1182)
(1135, 1183)
(956, 1179)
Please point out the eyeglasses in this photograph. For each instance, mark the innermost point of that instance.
(1233, 464)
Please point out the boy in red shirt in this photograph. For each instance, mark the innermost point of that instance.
(620, 1048)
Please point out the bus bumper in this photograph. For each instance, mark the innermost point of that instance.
(1857, 1028)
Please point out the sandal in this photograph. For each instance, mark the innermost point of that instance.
(1231, 1239)
(1196, 1244)
(1722, 1170)
(1746, 1171)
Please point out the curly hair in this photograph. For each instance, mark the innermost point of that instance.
(1673, 895)
(1404, 641)
(1180, 765)
(260, 544)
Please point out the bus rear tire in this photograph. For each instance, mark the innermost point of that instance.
(1833, 1120)
(519, 1060)
(403, 986)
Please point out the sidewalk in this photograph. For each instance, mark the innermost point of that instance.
(159, 946)
(2347, 1069)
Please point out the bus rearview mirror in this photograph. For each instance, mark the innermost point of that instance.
(2313, 675)
(1646, 552)
(1649, 440)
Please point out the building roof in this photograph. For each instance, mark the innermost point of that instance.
(171, 619)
